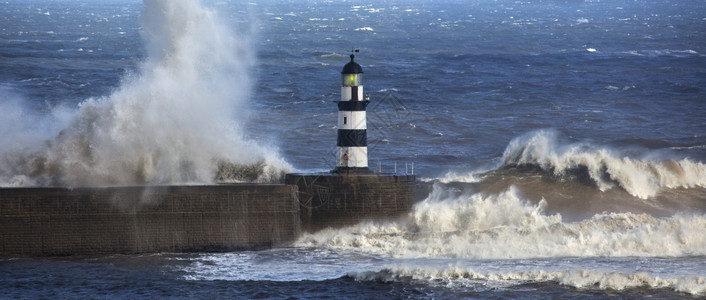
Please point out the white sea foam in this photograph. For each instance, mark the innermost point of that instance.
(454, 276)
(276, 265)
(460, 176)
(504, 226)
(468, 177)
(173, 122)
(664, 52)
(641, 177)
(456, 240)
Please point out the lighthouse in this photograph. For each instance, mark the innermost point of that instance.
(351, 191)
(352, 141)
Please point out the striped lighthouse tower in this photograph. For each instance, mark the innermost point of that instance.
(352, 136)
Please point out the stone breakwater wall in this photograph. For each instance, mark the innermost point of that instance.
(60, 221)
(213, 218)
(329, 200)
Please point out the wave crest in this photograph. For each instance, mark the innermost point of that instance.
(607, 168)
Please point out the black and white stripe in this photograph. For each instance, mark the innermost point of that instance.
(352, 129)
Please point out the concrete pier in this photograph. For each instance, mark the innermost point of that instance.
(337, 200)
(60, 221)
(92, 221)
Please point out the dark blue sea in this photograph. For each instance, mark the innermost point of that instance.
(563, 141)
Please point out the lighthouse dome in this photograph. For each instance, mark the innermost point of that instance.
(352, 67)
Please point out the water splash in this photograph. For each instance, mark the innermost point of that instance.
(641, 177)
(173, 122)
(455, 224)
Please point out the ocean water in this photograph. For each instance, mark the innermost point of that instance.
(562, 143)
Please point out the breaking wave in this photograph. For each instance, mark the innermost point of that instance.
(643, 176)
(587, 203)
(173, 122)
(455, 224)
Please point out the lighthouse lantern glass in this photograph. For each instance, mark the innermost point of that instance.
(352, 79)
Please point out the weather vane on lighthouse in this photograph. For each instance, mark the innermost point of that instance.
(352, 129)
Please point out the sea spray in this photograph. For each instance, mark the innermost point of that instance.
(173, 122)
(453, 224)
(24, 130)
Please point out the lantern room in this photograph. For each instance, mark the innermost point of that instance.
(352, 81)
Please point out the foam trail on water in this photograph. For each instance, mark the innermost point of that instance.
(449, 224)
(170, 123)
(604, 280)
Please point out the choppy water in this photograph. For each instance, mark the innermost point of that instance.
(563, 141)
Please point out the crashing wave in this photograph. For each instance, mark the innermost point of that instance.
(171, 123)
(607, 168)
(454, 224)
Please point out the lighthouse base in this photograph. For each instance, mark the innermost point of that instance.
(342, 199)
(352, 170)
